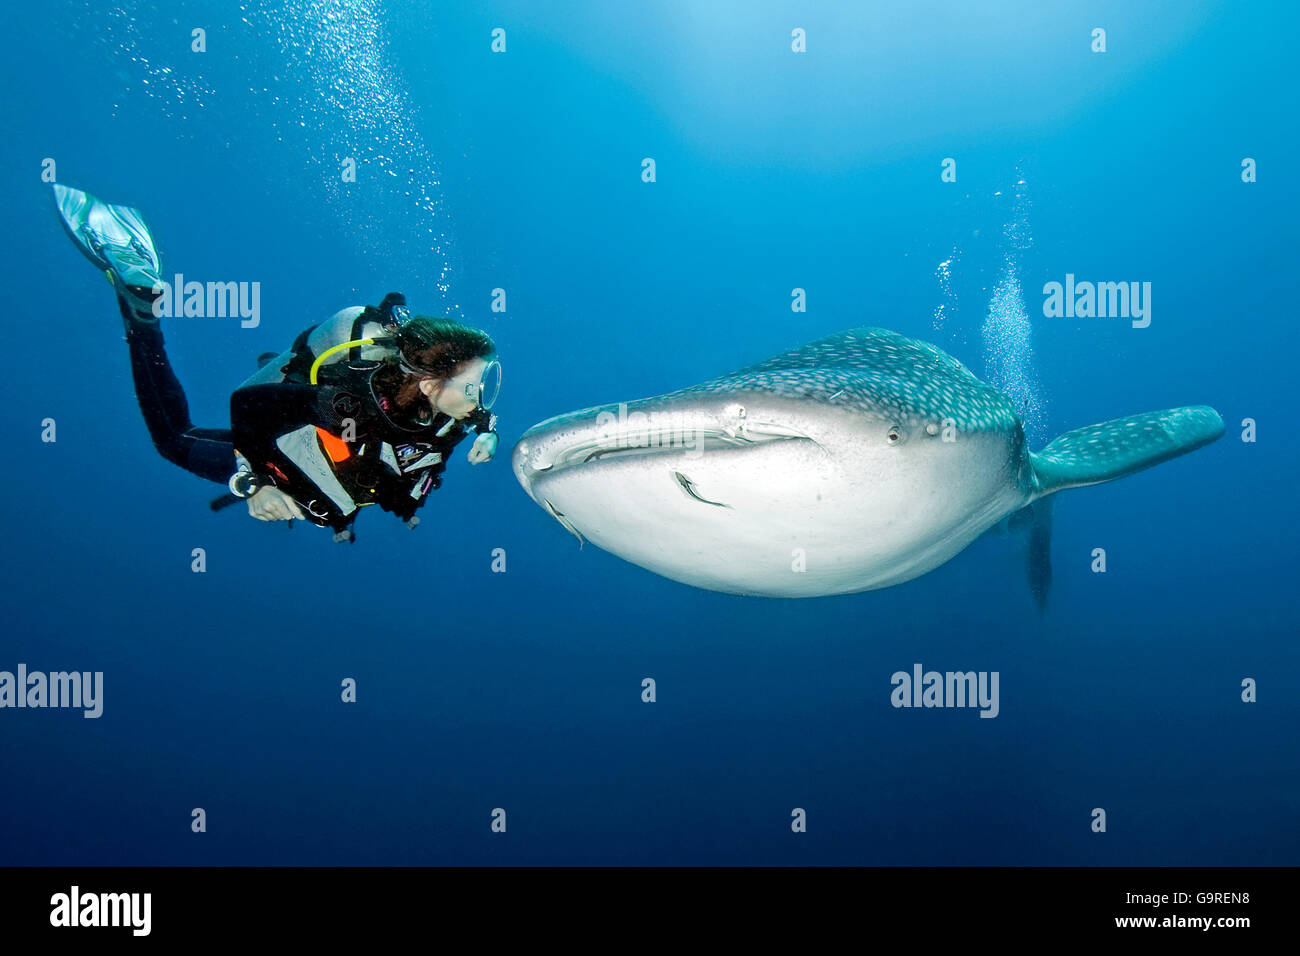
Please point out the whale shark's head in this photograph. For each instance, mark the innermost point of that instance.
(813, 472)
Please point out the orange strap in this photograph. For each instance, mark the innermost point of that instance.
(335, 447)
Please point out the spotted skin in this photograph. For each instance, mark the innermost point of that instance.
(875, 456)
(871, 369)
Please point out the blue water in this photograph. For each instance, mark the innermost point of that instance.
(775, 170)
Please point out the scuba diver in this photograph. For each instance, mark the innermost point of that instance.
(363, 409)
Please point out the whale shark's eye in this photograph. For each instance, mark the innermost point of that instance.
(895, 434)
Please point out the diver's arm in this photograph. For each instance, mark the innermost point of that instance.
(265, 501)
(259, 414)
(278, 422)
(485, 445)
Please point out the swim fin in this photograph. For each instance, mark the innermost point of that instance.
(116, 240)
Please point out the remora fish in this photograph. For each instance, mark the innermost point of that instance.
(858, 461)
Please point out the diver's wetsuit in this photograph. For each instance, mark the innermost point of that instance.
(207, 452)
(332, 447)
(340, 444)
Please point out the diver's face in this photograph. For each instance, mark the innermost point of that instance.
(457, 396)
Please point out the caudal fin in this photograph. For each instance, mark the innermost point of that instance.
(1122, 447)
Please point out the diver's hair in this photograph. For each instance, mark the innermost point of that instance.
(436, 347)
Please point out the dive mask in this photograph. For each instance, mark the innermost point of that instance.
(488, 387)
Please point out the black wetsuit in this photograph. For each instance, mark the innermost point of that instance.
(341, 444)
(207, 452)
(333, 447)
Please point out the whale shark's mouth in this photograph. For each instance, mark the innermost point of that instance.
(654, 441)
(538, 454)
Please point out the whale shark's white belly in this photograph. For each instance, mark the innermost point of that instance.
(790, 519)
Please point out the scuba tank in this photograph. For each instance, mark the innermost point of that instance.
(347, 325)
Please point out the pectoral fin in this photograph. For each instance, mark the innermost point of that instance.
(1096, 453)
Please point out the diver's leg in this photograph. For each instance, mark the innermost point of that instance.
(206, 452)
(117, 240)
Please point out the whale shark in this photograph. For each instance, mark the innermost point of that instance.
(855, 462)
